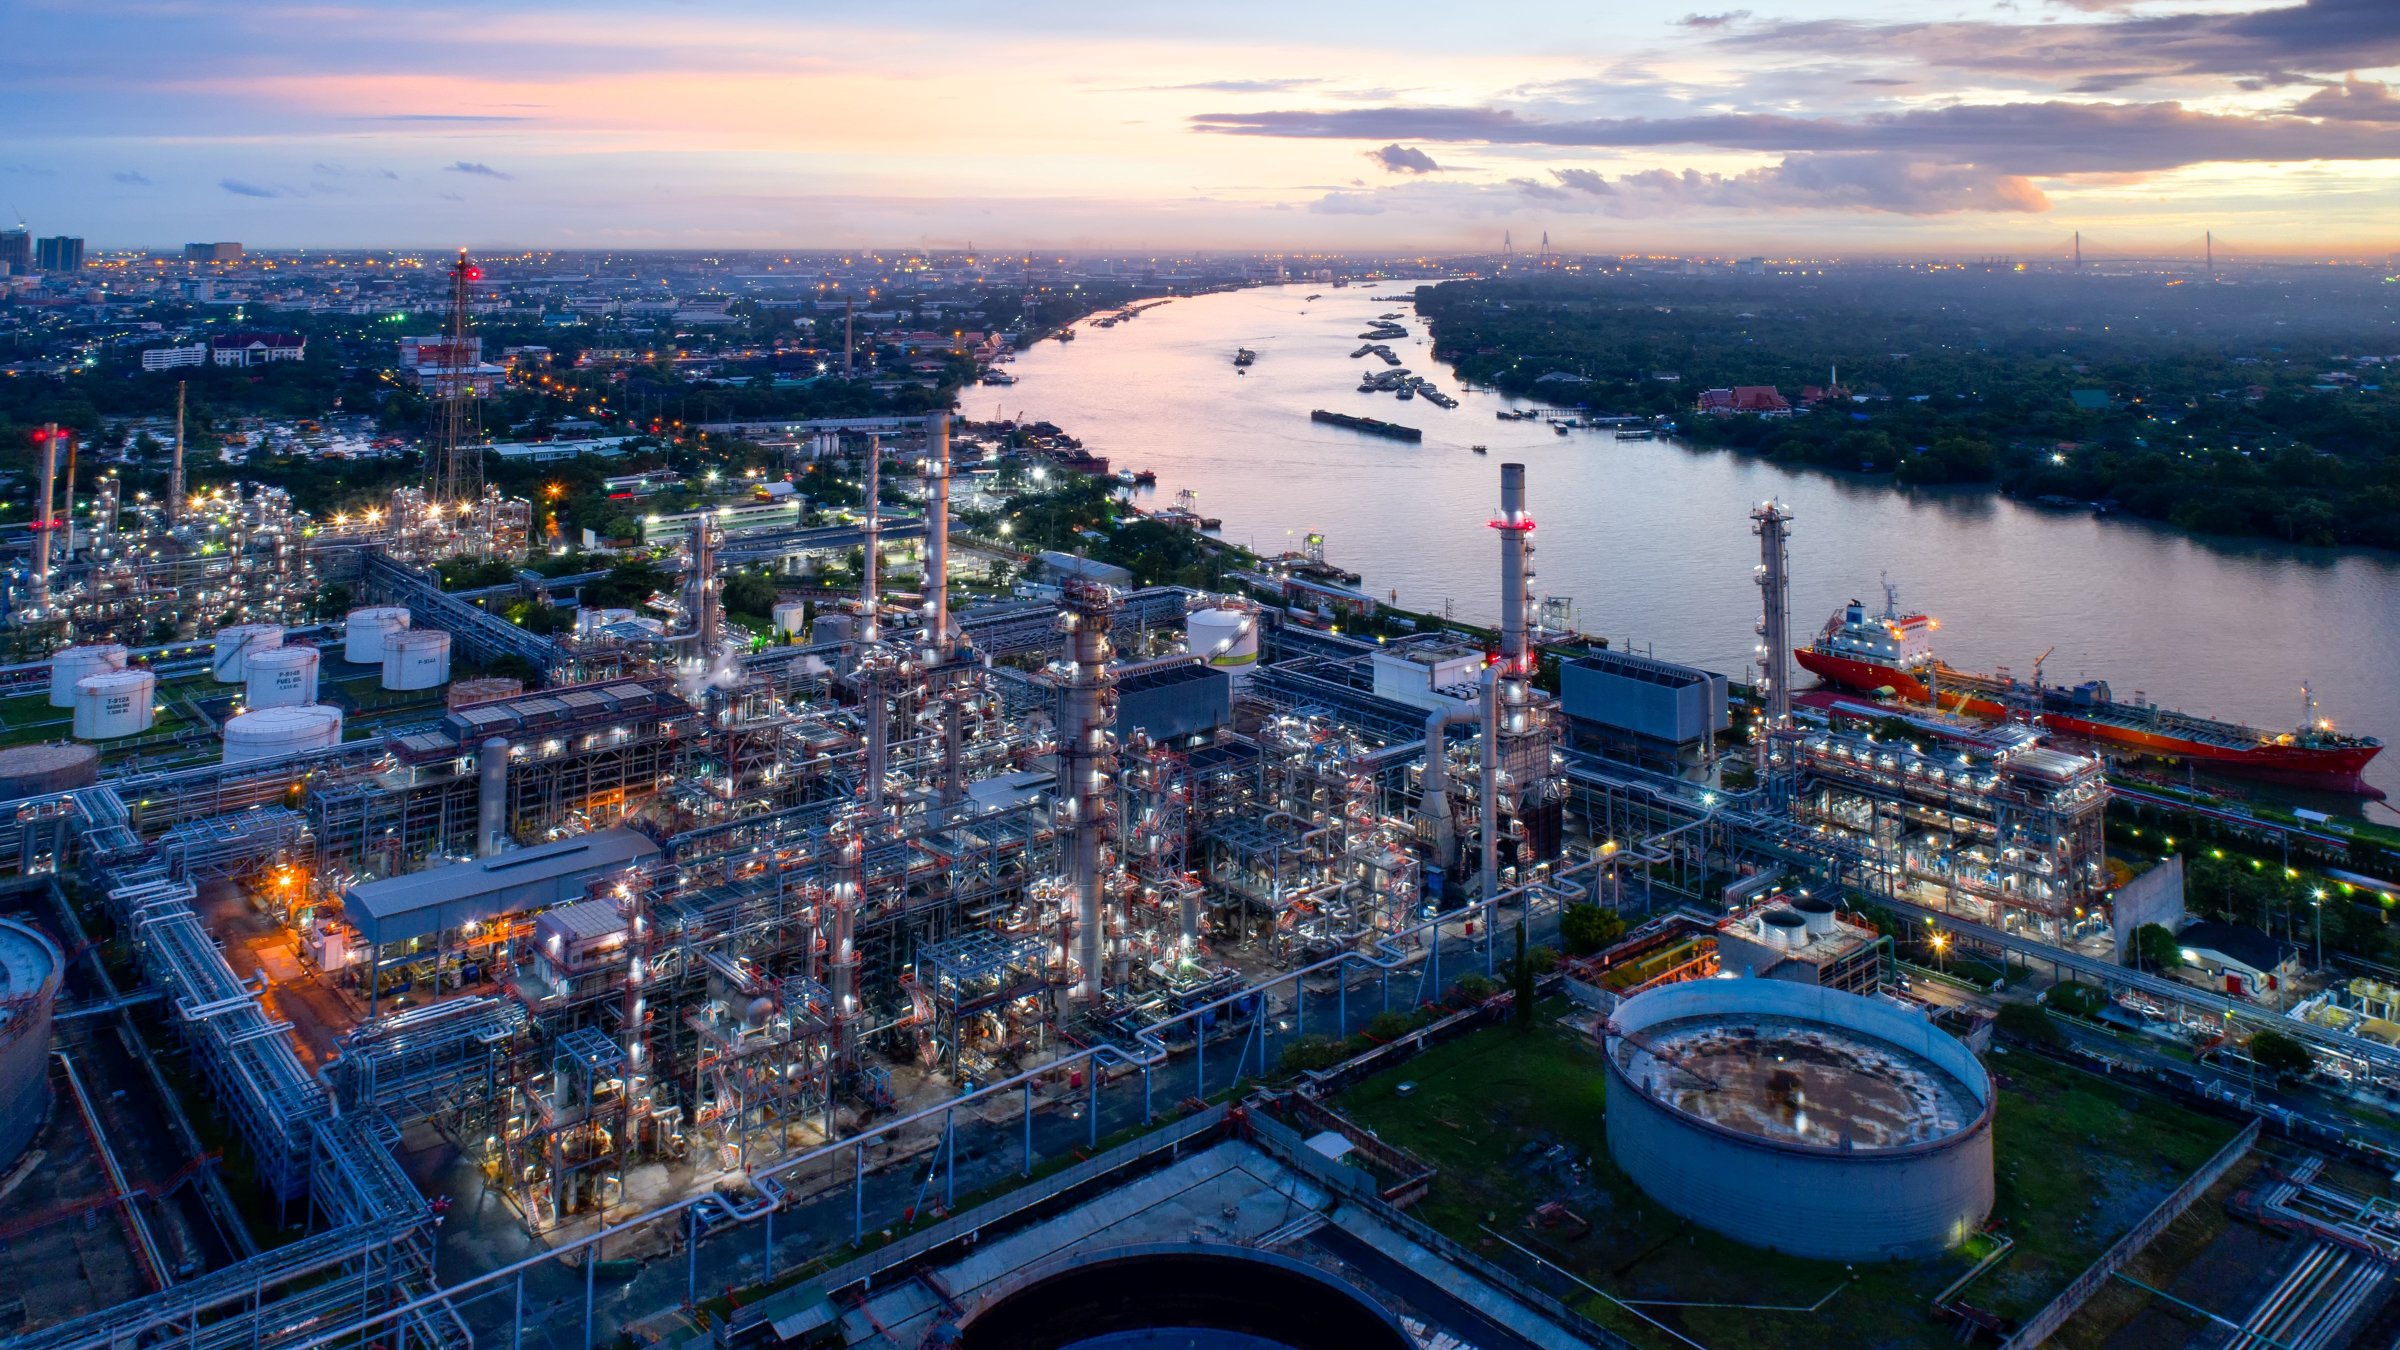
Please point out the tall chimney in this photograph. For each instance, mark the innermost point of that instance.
(175, 475)
(1516, 576)
(1775, 619)
(41, 522)
(869, 629)
(937, 534)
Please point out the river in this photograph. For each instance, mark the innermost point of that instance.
(1652, 539)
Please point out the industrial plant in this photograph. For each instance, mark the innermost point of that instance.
(697, 928)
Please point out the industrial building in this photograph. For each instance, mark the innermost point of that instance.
(1806, 1120)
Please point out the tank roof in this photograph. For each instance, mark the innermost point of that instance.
(1797, 1082)
(29, 961)
(20, 760)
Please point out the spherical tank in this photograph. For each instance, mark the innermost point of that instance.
(30, 968)
(416, 659)
(70, 664)
(1801, 1119)
(269, 733)
(364, 631)
(236, 645)
(114, 703)
(791, 616)
(1226, 639)
(283, 678)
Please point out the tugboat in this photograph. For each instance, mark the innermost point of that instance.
(1243, 356)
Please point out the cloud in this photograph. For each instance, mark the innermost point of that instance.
(2353, 100)
(2017, 138)
(441, 117)
(2279, 45)
(241, 189)
(1851, 183)
(468, 166)
(1272, 86)
(131, 178)
(1724, 20)
(1398, 158)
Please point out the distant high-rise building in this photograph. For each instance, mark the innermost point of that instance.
(58, 253)
(16, 251)
(221, 252)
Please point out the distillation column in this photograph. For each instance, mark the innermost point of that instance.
(941, 646)
(491, 797)
(175, 474)
(1774, 625)
(1086, 785)
(840, 920)
(870, 629)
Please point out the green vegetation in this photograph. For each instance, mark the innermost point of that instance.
(1586, 929)
(1514, 1122)
(2281, 1055)
(2077, 999)
(2229, 410)
(2155, 948)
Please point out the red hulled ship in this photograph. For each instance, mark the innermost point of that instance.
(1894, 651)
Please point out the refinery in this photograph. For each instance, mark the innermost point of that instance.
(542, 986)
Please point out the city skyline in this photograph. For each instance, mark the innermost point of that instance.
(1813, 126)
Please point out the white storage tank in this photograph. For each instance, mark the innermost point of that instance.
(281, 678)
(416, 659)
(71, 664)
(114, 703)
(364, 631)
(791, 616)
(236, 645)
(268, 733)
(31, 968)
(1226, 639)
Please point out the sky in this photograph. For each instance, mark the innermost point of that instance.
(1788, 127)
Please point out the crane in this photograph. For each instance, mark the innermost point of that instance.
(2037, 666)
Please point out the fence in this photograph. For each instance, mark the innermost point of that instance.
(2044, 1324)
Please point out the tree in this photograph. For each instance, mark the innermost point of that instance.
(1521, 976)
(2155, 948)
(2281, 1055)
(2077, 999)
(1588, 928)
(2028, 1022)
(750, 593)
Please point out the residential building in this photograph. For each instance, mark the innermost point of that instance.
(257, 349)
(171, 358)
(59, 253)
(224, 251)
(16, 252)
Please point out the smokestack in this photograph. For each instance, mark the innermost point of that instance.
(175, 475)
(1087, 772)
(869, 630)
(41, 524)
(937, 534)
(1516, 576)
(66, 513)
(707, 622)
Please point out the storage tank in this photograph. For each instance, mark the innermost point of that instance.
(281, 678)
(114, 703)
(272, 732)
(1785, 927)
(236, 645)
(483, 689)
(30, 968)
(791, 617)
(1226, 639)
(1817, 912)
(416, 659)
(1801, 1119)
(71, 664)
(365, 629)
(834, 628)
(32, 770)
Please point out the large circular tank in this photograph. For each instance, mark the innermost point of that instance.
(365, 629)
(1179, 1294)
(236, 645)
(271, 732)
(70, 664)
(791, 616)
(1225, 638)
(281, 678)
(31, 770)
(114, 703)
(1800, 1119)
(30, 968)
(834, 628)
(416, 659)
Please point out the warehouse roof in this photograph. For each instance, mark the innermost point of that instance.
(398, 908)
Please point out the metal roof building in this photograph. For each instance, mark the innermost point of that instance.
(421, 904)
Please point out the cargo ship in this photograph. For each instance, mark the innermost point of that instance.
(1893, 651)
(1369, 425)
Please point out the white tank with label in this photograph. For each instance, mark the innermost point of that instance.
(283, 678)
(271, 732)
(70, 664)
(1226, 639)
(791, 616)
(416, 659)
(236, 645)
(364, 631)
(114, 703)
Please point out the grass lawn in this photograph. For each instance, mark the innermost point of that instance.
(1514, 1120)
